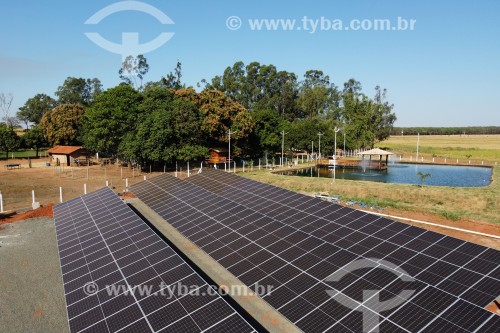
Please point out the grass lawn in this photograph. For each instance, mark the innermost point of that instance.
(21, 154)
(480, 147)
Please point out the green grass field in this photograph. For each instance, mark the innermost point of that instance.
(21, 154)
(480, 147)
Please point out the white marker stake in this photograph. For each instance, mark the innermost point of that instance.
(84, 188)
(107, 184)
(126, 183)
(60, 194)
(188, 170)
(235, 167)
(33, 195)
(144, 177)
(1, 202)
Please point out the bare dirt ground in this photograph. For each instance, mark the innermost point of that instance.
(16, 185)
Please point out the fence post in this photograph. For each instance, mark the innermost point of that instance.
(259, 163)
(243, 164)
(225, 166)
(121, 172)
(234, 166)
(84, 188)
(126, 184)
(1, 202)
(60, 194)
(188, 169)
(164, 167)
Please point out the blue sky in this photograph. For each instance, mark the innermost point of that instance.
(443, 73)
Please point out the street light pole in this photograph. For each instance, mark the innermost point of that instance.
(229, 155)
(344, 145)
(336, 129)
(282, 146)
(418, 142)
(319, 144)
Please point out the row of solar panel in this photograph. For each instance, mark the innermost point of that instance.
(104, 245)
(272, 236)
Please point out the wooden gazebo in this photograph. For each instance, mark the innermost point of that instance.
(377, 151)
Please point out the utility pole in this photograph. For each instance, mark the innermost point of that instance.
(229, 133)
(319, 144)
(343, 154)
(418, 142)
(336, 129)
(282, 146)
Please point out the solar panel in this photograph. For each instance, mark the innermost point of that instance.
(120, 276)
(261, 240)
(461, 268)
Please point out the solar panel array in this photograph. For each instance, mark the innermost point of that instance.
(103, 244)
(270, 236)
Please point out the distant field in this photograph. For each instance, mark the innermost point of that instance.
(480, 147)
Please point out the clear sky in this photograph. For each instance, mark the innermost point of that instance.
(445, 72)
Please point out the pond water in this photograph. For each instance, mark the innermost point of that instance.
(440, 175)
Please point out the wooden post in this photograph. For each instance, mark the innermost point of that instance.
(121, 172)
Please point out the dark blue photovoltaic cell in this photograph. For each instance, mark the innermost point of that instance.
(295, 237)
(103, 242)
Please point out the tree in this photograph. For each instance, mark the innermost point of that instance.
(220, 113)
(266, 135)
(34, 139)
(114, 113)
(61, 126)
(423, 177)
(78, 91)
(134, 68)
(9, 140)
(170, 129)
(173, 80)
(317, 96)
(35, 107)
(5, 104)
(258, 87)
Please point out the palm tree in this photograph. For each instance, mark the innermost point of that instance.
(422, 176)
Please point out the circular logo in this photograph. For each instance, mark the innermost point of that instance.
(90, 288)
(233, 23)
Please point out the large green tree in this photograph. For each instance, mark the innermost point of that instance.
(35, 107)
(317, 96)
(34, 139)
(62, 125)
(79, 91)
(220, 113)
(258, 86)
(266, 137)
(113, 114)
(170, 129)
(9, 140)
